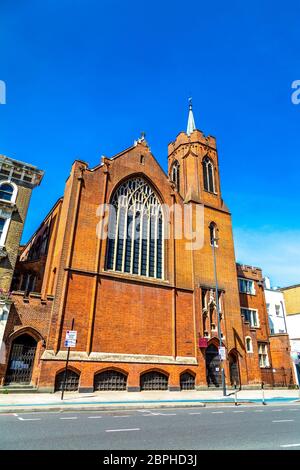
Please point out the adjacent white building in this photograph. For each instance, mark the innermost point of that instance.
(292, 303)
(275, 308)
(282, 321)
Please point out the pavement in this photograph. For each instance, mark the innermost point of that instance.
(123, 400)
(246, 427)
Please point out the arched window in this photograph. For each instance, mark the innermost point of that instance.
(208, 175)
(6, 191)
(249, 348)
(154, 380)
(71, 381)
(175, 176)
(213, 234)
(135, 234)
(110, 380)
(187, 381)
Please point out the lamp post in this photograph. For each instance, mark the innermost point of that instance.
(214, 240)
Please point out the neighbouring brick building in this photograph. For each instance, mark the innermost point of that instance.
(144, 304)
(269, 349)
(17, 180)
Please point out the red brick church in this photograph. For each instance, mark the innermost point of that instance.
(144, 307)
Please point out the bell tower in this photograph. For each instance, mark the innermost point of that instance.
(194, 167)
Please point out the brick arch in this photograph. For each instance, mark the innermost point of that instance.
(235, 352)
(155, 369)
(70, 367)
(29, 330)
(188, 371)
(117, 369)
(215, 342)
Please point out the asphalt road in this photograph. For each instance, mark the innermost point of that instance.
(224, 427)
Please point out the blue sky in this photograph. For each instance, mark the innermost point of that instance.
(84, 78)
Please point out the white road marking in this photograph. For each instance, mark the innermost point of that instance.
(290, 445)
(293, 409)
(122, 430)
(194, 413)
(276, 410)
(15, 414)
(122, 416)
(258, 411)
(71, 417)
(239, 411)
(283, 421)
(94, 417)
(215, 412)
(29, 419)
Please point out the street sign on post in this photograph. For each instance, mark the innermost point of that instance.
(222, 353)
(71, 338)
(70, 342)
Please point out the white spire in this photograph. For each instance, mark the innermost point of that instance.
(191, 126)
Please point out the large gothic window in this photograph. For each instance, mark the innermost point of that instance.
(208, 175)
(135, 235)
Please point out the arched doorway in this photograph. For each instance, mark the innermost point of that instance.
(213, 368)
(234, 368)
(21, 359)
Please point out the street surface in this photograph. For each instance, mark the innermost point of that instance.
(222, 427)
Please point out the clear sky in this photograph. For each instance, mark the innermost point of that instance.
(85, 77)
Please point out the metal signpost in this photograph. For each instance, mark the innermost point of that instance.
(222, 351)
(70, 342)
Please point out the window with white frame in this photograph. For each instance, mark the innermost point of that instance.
(249, 347)
(268, 308)
(263, 355)
(8, 191)
(250, 316)
(246, 286)
(135, 235)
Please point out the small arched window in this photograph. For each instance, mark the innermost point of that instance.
(213, 234)
(249, 348)
(135, 233)
(6, 191)
(175, 176)
(208, 175)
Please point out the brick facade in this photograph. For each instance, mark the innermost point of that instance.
(132, 323)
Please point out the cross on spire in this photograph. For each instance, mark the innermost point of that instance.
(191, 126)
